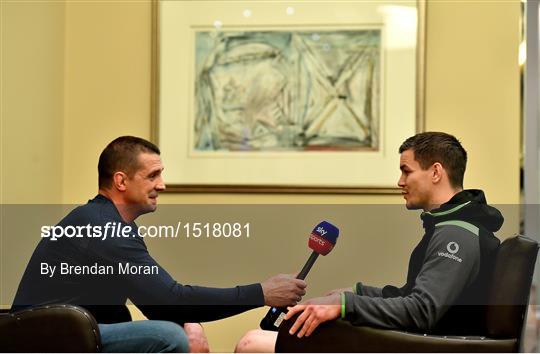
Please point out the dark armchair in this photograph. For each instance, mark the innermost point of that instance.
(504, 320)
(54, 328)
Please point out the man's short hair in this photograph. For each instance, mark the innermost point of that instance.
(122, 154)
(431, 147)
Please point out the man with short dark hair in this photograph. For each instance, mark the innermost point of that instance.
(129, 183)
(448, 270)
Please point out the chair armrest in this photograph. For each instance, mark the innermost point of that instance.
(54, 328)
(4, 312)
(341, 336)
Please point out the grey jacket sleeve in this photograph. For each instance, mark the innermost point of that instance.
(366, 290)
(452, 262)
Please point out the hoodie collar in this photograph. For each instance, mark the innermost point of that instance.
(468, 205)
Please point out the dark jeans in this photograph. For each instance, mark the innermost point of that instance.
(143, 337)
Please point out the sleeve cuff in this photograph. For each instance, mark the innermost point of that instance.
(253, 294)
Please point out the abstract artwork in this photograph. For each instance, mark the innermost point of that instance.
(287, 90)
(275, 97)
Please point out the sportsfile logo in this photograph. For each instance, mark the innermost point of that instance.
(452, 248)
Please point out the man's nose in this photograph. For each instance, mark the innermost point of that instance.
(401, 182)
(160, 186)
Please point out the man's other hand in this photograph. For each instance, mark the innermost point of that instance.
(198, 343)
(339, 291)
(314, 312)
(283, 290)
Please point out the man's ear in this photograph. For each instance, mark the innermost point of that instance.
(119, 181)
(437, 172)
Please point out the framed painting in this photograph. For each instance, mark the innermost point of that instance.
(274, 96)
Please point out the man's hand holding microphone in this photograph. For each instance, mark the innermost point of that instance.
(283, 290)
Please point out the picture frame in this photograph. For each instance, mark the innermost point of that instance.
(180, 29)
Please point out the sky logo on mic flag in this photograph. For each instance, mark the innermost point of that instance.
(321, 230)
(323, 238)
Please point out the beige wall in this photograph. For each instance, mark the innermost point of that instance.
(102, 52)
(473, 88)
(107, 80)
(31, 120)
(32, 79)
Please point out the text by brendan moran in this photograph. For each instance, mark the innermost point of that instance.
(97, 269)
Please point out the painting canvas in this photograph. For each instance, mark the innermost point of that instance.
(306, 97)
(287, 90)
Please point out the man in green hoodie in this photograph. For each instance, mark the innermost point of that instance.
(448, 269)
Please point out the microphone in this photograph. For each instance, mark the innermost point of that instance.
(321, 240)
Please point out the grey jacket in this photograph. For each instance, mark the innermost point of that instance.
(449, 267)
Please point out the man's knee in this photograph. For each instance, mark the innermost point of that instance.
(171, 338)
(246, 342)
(256, 341)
